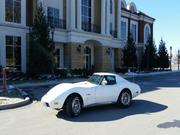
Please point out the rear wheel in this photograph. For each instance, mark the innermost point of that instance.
(124, 99)
(73, 106)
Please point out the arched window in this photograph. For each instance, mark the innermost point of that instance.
(132, 9)
(147, 33)
(111, 7)
(122, 5)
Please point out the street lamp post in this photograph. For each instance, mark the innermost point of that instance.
(52, 29)
(178, 58)
(170, 57)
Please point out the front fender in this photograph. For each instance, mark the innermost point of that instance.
(62, 98)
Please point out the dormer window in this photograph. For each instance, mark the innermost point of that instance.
(132, 9)
(123, 4)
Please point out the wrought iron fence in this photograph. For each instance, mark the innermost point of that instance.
(57, 23)
(113, 33)
(91, 27)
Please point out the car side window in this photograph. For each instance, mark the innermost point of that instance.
(111, 80)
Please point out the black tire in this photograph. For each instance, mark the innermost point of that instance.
(69, 110)
(124, 99)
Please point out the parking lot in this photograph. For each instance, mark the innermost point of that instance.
(154, 112)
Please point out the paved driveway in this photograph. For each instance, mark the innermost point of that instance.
(155, 112)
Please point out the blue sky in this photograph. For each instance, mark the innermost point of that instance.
(167, 24)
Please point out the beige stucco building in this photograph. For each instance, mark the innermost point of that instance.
(88, 33)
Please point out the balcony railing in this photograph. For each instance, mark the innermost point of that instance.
(57, 23)
(113, 33)
(91, 27)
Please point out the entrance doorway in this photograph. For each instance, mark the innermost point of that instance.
(87, 58)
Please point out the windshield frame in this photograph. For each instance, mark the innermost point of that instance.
(98, 81)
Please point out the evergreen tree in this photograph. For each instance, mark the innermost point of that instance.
(149, 60)
(130, 57)
(41, 49)
(163, 56)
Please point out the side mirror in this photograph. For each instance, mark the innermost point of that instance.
(104, 82)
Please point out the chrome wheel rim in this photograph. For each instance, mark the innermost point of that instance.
(125, 98)
(76, 105)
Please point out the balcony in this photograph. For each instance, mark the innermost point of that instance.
(57, 23)
(113, 33)
(91, 27)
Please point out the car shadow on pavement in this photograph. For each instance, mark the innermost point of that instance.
(112, 112)
(173, 124)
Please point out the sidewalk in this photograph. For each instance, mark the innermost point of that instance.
(47, 83)
(55, 82)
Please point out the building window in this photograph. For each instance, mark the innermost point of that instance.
(13, 11)
(111, 7)
(134, 32)
(146, 34)
(123, 30)
(132, 9)
(86, 15)
(111, 28)
(13, 52)
(122, 5)
(53, 16)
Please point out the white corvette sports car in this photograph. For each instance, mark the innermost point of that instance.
(101, 88)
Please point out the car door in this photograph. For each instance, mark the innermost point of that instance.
(90, 96)
(107, 92)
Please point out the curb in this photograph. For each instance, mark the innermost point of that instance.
(16, 105)
(51, 83)
(149, 75)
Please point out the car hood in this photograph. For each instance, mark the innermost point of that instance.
(64, 87)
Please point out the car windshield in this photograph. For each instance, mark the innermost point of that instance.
(95, 79)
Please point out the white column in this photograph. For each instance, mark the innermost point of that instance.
(3, 50)
(119, 20)
(1, 47)
(23, 52)
(23, 12)
(2, 10)
(108, 17)
(67, 13)
(79, 15)
(103, 18)
(70, 14)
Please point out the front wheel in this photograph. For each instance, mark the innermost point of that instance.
(124, 99)
(73, 106)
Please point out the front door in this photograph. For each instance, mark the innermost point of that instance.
(107, 92)
(57, 58)
(87, 58)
